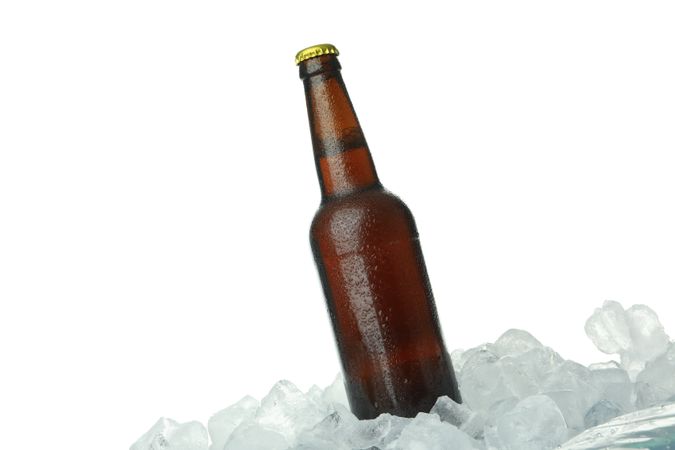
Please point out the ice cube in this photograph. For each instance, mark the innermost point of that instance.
(315, 395)
(570, 376)
(535, 423)
(378, 432)
(335, 393)
(539, 363)
(337, 427)
(427, 432)
(451, 412)
(251, 436)
(515, 342)
(457, 358)
(460, 416)
(648, 338)
(572, 389)
(344, 429)
(224, 422)
(169, 434)
(287, 411)
(460, 357)
(636, 334)
(613, 384)
(315, 443)
(497, 410)
(517, 376)
(608, 328)
(486, 378)
(656, 383)
(481, 381)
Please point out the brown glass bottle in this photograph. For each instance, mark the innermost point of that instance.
(367, 251)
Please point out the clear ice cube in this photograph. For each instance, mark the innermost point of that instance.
(572, 389)
(460, 416)
(613, 384)
(635, 334)
(535, 423)
(460, 357)
(648, 338)
(656, 383)
(427, 432)
(481, 381)
(223, 423)
(287, 411)
(336, 393)
(608, 328)
(337, 427)
(515, 342)
(378, 432)
(251, 436)
(168, 434)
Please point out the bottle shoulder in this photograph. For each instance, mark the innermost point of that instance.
(372, 211)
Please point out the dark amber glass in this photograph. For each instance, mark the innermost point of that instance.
(367, 251)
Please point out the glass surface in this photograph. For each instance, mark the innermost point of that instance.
(652, 429)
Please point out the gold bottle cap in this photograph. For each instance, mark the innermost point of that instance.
(314, 51)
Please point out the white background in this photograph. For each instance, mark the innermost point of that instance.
(157, 185)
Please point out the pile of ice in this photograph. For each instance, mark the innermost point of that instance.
(518, 395)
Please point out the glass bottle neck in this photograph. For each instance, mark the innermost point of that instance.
(343, 161)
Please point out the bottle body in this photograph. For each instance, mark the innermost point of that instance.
(381, 306)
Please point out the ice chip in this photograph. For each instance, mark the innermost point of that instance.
(535, 423)
(601, 412)
(608, 328)
(515, 342)
(224, 422)
(427, 432)
(168, 434)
